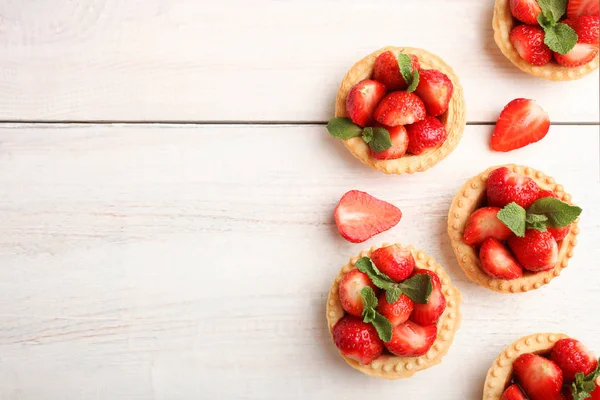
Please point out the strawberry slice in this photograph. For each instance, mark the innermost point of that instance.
(558, 233)
(394, 261)
(400, 108)
(537, 251)
(505, 186)
(525, 11)
(522, 122)
(513, 392)
(528, 41)
(411, 340)
(387, 71)
(497, 262)
(483, 224)
(579, 55)
(357, 340)
(428, 314)
(362, 100)
(398, 312)
(573, 357)
(425, 135)
(539, 377)
(577, 8)
(350, 286)
(399, 139)
(586, 27)
(435, 89)
(360, 216)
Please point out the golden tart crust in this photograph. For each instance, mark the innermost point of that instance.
(468, 199)
(500, 372)
(389, 366)
(454, 119)
(504, 22)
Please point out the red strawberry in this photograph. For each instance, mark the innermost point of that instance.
(362, 100)
(539, 377)
(394, 261)
(435, 89)
(525, 10)
(428, 314)
(360, 216)
(521, 122)
(399, 139)
(587, 28)
(572, 357)
(504, 187)
(387, 71)
(400, 108)
(357, 340)
(497, 262)
(411, 340)
(528, 41)
(536, 252)
(398, 312)
(425, 135)
(577, 8)
(558, 233)
(513, 393)
(596, 392)
(483, 224)
(350, 286)
(579, 55)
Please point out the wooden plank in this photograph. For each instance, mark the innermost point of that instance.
(231, 60)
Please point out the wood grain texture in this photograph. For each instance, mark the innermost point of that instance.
(234, 60)
(179, 262)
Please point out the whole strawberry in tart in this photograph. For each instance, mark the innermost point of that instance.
(388, 308)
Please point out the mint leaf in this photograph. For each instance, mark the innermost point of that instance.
(343, 128)
(380, 140)
(414, 83)
(560, 38)
(367, 134)
(392, 294)
(371, 316)
(546, 20)
(418, 288)
(369, 298)
(583, 386)
(378, 278)
(383, 326)
(513, 216)
(535, 218)
(411, 77)
(556, 8)
(559, 213)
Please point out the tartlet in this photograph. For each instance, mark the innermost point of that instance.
(503, 22)
(454, 119)
(389, 366)
(469, 197)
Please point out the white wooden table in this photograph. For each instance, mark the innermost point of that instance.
(167, 190)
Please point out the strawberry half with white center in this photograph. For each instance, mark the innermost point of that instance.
(387, 71)
(540, 378)
(587, 28)
(428, 314)
(426, 134)
(505, 186)
(513, 392)
(400, 108)
(483, 224)
(573, 357)
(399, 139)
(528, 41)
(521, 122)
(497, 262)
(577, 8)
(557, 233)
(357, 340)
(394, 261)
(536, 252)
(397, 313)
(360, 216)
(435, 89)
(362, 100)
(525, 11)
(580, 55)
(350, 286)
(411, 340)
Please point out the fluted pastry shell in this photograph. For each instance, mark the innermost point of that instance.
(454, 119)
(503, 23)
(387, 365)
(469, 198)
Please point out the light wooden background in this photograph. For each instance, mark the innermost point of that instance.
(167, 189)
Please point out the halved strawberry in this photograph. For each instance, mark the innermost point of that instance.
(505, 186)
(398, 312)
(483, 224)
(577, 8)
(435, 89)
(536, 252)
(387, 71)
(362, 100)
(411, 340)
(400, 108)
(360, 216)
(394, 261)
(579, 55)
(572, 357)
(399, 139)
(540, 378)
(350, 286)
(497, 262)
(513, 392)
(528, 41)
(428, 314)
(521, 122)
(525, 10)
(425, 135)
(357, 340)
(587, 28)
(558, 233)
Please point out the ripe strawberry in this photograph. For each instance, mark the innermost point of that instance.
(398, 312)
(528, 41)
(400, 108)
(577, 8)
(572, 357)
(435, 89)
(536, 252)
(428, 314)
(362, 100)
(357, 340)
(399, 139)
(411, 340)
(483, 224)
(425, 135)
(579, 55)
(497, 262)
(350, 286)
(558, 233)
(540, 378)
(513, 393)
(387, 71)
(504, 187)
(587, 28)
(360, 216)
(525, 11)
(521, 122)
(394, 261)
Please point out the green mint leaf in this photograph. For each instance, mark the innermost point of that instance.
(538, 226)
(418, 288)
(369, 298)
(380, 140)
(343, 128)
(367, 134)
(405, 65)
(560, 38)
(513, 216)
(559, 213)
(414, 82)
(393, 293)
(555, 8)
(378, 278)
(585, 385)
(535, 218)
(383, 327)
(546, 20)
(371, 316)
